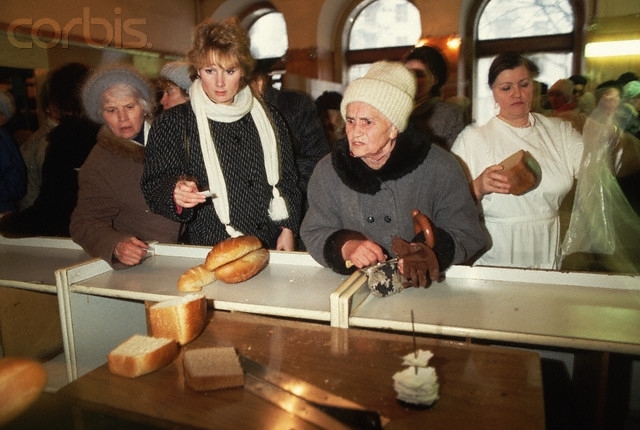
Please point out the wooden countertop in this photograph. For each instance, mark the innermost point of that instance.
(480, 386)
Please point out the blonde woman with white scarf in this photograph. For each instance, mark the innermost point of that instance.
(223, 163)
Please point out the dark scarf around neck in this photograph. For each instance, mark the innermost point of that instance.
(412, 147)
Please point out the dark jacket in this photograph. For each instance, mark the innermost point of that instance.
(70, 144)
(173, 152)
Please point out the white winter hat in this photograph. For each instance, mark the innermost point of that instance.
(389, 87)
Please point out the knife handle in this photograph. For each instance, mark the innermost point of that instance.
(422, 224)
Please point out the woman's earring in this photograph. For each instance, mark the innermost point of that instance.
(496, 108)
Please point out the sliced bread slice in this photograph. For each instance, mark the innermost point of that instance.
(140, 355)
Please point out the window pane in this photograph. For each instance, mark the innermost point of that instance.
(386, 23)
(552, 67)
(502, 19)
(357, 71)
(269, 36)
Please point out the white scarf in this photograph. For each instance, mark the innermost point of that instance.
(243, 103)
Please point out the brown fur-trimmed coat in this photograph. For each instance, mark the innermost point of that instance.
(111, 206)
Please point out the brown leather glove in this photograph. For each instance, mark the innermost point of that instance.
(420, 264)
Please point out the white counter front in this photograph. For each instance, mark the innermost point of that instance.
(101, 307)
(588, 311)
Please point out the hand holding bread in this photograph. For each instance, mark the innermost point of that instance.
(233, 260)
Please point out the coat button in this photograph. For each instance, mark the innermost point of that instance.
(387, 218)
(370, 219)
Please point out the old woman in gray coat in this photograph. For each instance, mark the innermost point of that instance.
(361, 196)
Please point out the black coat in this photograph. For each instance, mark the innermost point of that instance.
(69, 145)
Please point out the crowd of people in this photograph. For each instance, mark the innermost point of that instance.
(212, 150)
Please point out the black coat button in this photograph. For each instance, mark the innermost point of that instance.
(370, 219)
(387, 218)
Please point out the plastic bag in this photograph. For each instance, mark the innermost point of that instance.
(602, 220)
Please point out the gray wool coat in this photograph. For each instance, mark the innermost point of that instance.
(348, 200)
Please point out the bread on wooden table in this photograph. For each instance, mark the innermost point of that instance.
(140, 355)
(237, 259)
(212, 368)
(195, 278)
(181, 319)
(21, 382)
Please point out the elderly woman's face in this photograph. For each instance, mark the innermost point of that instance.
(513, 91)
(123, 113)
(371, 136)
(221, 84)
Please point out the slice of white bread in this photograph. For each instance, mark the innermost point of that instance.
(181, 319)
(212, 368)
(140, 355)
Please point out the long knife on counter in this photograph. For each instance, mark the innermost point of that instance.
(306, 401)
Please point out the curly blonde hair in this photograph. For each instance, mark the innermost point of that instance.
(225, 44)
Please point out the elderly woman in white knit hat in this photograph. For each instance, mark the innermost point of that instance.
(362, 195)
(174, 82)
(111, 219)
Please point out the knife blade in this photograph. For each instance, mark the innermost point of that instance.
(305, 400)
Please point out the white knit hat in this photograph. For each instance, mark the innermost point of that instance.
(106, 77)
(178, 73)
(389, 87)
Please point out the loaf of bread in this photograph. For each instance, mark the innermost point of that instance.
(195, 278)
(243, 268)
(181, 319)
(21, 382)
(237, 259)
(212, 368)
(523, 171)
(231, 249)
(140, 355)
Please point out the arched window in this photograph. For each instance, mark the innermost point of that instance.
(268, 35)
(379, 29)
(269, 42)
(547, 31)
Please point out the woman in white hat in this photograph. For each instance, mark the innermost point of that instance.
(361, 196)
(111, 219)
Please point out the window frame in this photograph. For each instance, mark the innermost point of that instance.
(470, 52)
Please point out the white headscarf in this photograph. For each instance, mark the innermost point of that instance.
(243, 103)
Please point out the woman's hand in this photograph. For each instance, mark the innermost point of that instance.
(362, 253)
(491, 181)
(130, 251)
(186, 195)
(285, 240)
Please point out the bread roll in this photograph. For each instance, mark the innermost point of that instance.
(21, 382)
(181, 319)
(243, 268)
(140, 355)
(231, 249)
(195, 278)
(212, 368)
(523, 171)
